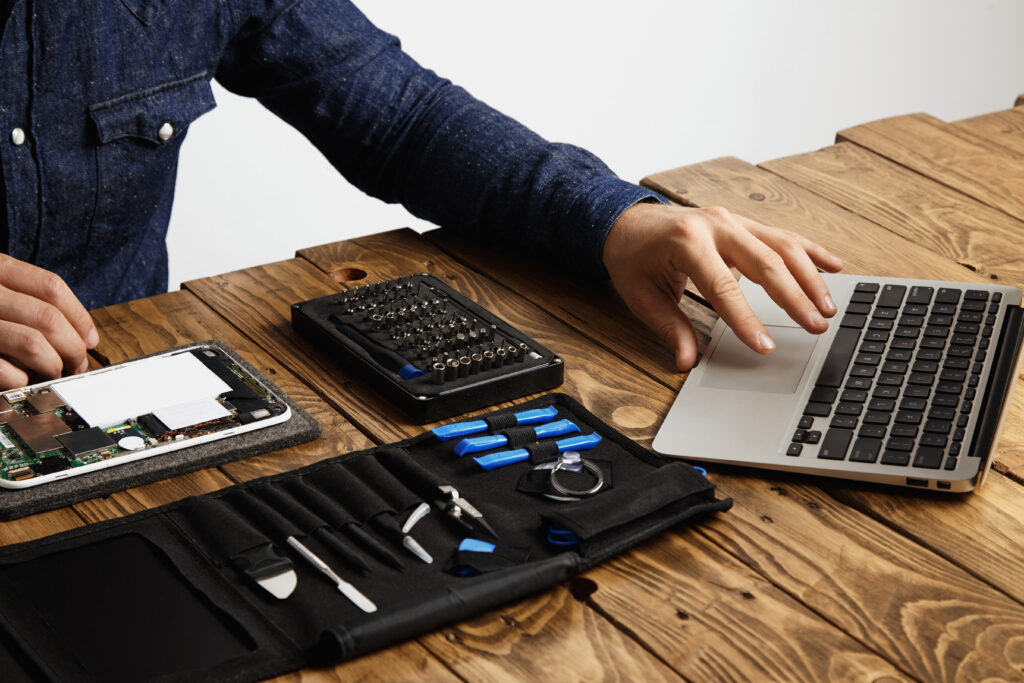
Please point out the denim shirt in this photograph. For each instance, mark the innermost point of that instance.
(97, 96)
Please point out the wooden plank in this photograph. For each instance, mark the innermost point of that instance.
(501, 645)
(864, 246)
(930, 215)
(893, 642)
(992, 174)
(1004, 128)
(39, 525)
(580, 305)
(701, 605)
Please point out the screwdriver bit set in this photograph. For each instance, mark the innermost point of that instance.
(426, 347)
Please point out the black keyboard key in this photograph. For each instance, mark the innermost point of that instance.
(950, 375)
(910, 320)
(957, 363)
(867, 359)
(906, 431)
(945, 400)
(866, 287)
(965, 339)
(848, 409)
(950, 463)
(921, 378)
(970, 317)
(940, 320)
(891, 296)
(969, 394)
(933, 343)
(843, 422)
(907, 332)
(865, 450)
(854, 395)
(835, 444)
(973, 306)
(928, 457)
(920, 295)
(886, 405)
(927, 366)
(862, 371)
(818, 409)
(853, 321)
(794, 449)
(960, 351)
(909, 417)
(877, 335)
(873, 417)
(885, 392)
(858, 309)
(872, 347)
(812, 437)
(894, 366)
(941, 412)
(913, 404)
(823, 395)
(937, 426)
(936, 331)
(929, 354)
(933, 440)
(895, 458)
(890, 380)
(872, 431)
(986, 331)
(949, 388)
(911, 309)
(799, 436)
(880, 324)
(997, 297)
(885, 313)
(903, 355)
(903, 344)
(983, 344)
(862, 298)
(944, 309)
(838, 358)
(947, 296)
(858, 383)
(806, 422)
(961, 328)
(959, 434)
(900, 444)
(975, 295)
(954, 449)
(917, 391)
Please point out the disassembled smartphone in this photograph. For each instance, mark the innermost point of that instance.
(127, 412)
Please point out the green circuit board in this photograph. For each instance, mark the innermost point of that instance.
(40, 434)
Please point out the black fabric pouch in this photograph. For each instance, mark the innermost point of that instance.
(172, 594)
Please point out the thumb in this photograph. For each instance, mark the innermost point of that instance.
(656, 309)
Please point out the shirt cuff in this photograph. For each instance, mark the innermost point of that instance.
(598, 204)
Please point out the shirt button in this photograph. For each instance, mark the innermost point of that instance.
(165, 132)
(17, 136)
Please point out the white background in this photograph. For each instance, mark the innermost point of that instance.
(647, 85)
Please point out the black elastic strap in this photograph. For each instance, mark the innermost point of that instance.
(495, 423)
(519, 436)
(542, 451)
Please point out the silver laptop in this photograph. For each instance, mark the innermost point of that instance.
(908, 386)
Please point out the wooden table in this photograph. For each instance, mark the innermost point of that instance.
(803, 579)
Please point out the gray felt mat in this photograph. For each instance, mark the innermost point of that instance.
(299, 429)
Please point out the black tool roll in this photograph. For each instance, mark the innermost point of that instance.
(243, 583)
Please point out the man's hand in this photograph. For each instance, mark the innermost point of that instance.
(653, 249)
(44, 329)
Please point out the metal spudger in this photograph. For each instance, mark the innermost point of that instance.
(433, 489)
(346, 588)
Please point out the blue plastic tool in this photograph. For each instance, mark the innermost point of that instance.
(457, 430)
(474, 545)
(477, 444)
(492, 461)
(560, 536)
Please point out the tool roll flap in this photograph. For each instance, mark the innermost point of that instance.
(339, 558)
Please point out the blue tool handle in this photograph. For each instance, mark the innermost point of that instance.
(582, 442)
(493, 461)
(476, 546)
(456, 430)
(556, 428)
(480, 443)
(536, 416)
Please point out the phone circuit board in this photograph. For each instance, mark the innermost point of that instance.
(42, 433)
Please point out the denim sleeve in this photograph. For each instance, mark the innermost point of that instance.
(403, 134)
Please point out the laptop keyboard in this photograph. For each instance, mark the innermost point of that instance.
(900, 381)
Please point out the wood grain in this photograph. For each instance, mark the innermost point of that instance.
(580, 305)
(930, 215)
(1005, 128)
(710, 617)
(501, 645)
(989, 172)
(864, 246)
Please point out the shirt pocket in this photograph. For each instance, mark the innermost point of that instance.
(139, 135)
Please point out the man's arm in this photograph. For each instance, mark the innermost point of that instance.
(401, 133)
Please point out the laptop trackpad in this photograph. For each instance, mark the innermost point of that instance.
(734, 366)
